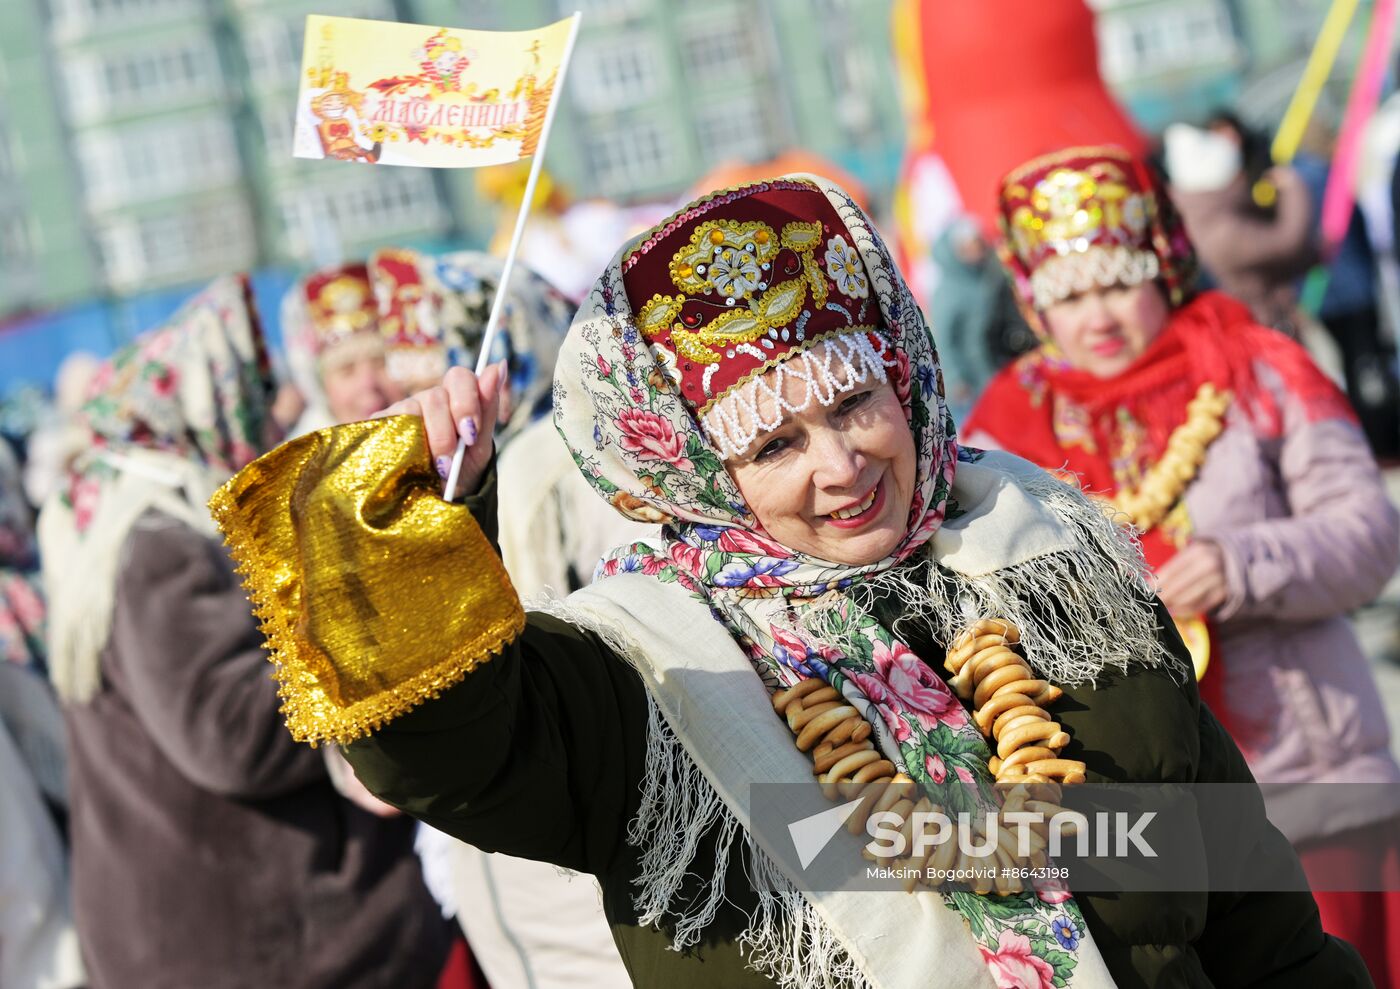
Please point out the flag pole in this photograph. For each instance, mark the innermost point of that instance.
(498, 302)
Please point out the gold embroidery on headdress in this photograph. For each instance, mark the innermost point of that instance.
(735, 260)
(1068, 207)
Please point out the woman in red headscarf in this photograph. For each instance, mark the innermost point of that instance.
(1261, 510)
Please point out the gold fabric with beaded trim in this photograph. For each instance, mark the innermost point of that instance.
(374, 593)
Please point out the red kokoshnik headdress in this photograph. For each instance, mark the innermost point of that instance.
(747, 281)
(1085, 218)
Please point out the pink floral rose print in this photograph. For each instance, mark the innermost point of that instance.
(1014, 966)
(651, 437)
(688, 558)
(937, 771)
(905, 684)
(1053, 893)
(163, 382)
(736, 540)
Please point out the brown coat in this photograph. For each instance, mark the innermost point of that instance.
(1255, 256)
(209, 849)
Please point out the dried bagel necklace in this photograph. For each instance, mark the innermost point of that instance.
(1161, 488)
(1009, 707)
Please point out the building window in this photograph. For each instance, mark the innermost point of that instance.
(151, 161)
(640, 154)
(167, 73)
(278, 123)
(72, 19)
(272, 46)
(617, 74)
(736, 129)
(381, 204)
(853, 79)
(723, 52)
(1143, 41)
(192, 242)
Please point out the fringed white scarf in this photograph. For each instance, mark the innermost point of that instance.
(1022, 537)
(81, 571)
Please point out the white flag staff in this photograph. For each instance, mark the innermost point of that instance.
(484, 356)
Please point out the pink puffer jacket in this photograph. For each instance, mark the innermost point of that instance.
(1308, 536)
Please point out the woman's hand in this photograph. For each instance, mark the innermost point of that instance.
(348, 785)
(463, 405)
(1192, 583)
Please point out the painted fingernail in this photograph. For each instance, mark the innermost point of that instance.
(467, 429)
(444, 467)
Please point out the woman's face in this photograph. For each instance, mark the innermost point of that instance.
(1104, 330)
(834, 482)
(356, 381)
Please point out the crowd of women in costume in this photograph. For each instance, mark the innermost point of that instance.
(738, 456)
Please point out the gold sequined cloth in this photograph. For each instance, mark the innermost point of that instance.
(374, 593)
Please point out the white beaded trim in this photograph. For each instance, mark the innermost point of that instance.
(1061, 276)
(827, 370)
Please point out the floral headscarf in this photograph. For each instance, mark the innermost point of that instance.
(634, 434)
(457, 292)
(196, 389)
(172, 415)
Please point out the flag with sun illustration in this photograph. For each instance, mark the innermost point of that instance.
(386, 93)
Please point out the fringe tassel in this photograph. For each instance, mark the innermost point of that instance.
(786, 939)
(679, 808)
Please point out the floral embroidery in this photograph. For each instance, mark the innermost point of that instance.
(735, 274)
(844, 266)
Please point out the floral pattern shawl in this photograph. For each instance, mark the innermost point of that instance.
(535, 317)
(172, 415)
(794, 615)
(196, 389)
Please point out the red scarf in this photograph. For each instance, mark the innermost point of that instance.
(1210, 339)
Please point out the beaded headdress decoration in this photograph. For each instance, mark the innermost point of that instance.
(335, 303)
(747, 282)
(409, 307)
(1086, 218)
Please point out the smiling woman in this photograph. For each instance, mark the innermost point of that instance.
(754, 374)
(834, 482)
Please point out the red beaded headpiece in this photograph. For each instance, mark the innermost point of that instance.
(408, 316)
(338, 303)
(745, 281)
(1086, 218)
